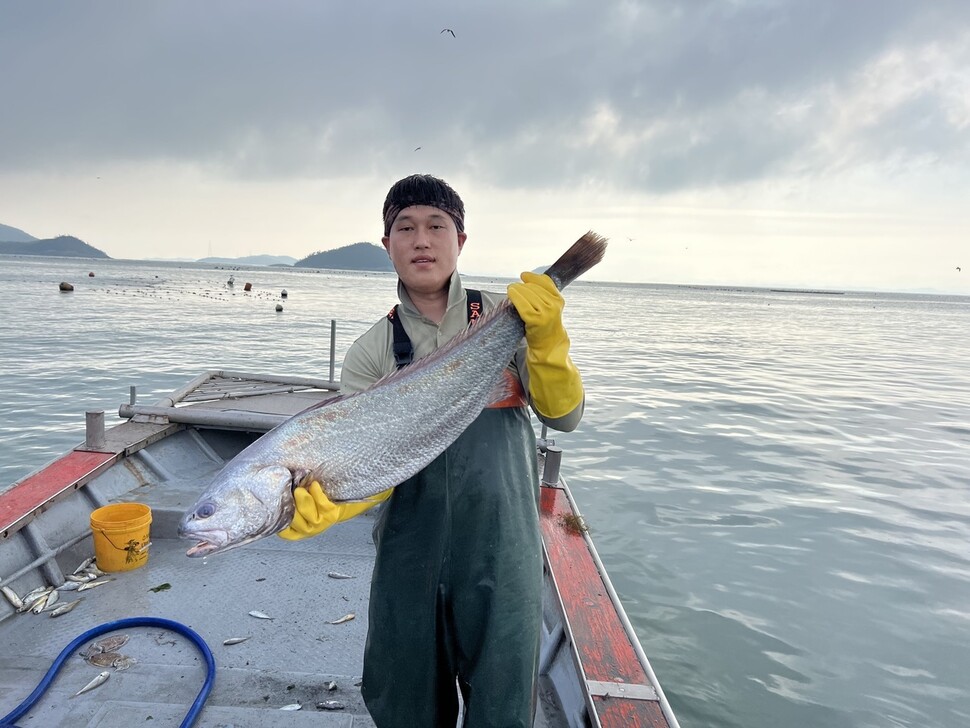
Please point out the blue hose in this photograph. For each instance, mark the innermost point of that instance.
(7, 721)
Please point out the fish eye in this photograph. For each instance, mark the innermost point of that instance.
(206, 510)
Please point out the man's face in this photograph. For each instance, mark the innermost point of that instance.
(424, 245)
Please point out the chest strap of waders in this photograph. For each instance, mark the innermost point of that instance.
(403, 350)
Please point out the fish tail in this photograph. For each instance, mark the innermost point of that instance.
(583, 255)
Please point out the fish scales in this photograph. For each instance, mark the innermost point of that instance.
(361, 444)
(443, 398)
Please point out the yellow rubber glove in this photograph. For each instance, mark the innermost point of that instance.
(554, 382)
(315, 512)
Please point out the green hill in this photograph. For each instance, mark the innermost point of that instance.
(359, 256)
(62, 245)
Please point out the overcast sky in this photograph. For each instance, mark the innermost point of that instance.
(816, 143)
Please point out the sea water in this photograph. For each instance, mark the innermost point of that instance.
(776, 481)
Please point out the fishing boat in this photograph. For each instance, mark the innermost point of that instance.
(267, 635)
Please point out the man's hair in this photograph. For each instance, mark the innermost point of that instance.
(423, 189)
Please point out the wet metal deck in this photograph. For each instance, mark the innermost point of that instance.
(288, 659)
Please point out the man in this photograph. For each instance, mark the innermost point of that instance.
(456, 589)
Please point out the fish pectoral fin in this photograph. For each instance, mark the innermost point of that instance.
(374, 499)
(507, 392)
(302, 478)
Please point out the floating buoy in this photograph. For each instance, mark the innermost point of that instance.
(91, 274)
(283, 293)
(279, 307)
(66, 286)
(248, 287)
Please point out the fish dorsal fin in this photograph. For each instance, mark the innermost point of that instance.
(502, 309)
(456, 341)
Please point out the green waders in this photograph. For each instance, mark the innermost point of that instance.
(457, 586)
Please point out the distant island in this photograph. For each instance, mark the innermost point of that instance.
(359, 256)
(62, 245)
(267, 260)
(14, 235)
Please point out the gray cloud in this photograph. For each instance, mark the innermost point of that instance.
(686, 94)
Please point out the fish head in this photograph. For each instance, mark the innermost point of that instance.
(243, 503)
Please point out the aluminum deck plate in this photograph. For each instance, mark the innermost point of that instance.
(287, 659)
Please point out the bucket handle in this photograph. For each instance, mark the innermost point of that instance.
(132, 549)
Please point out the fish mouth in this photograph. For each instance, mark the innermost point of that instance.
(208, 542)
(217, 540)
(203, 548)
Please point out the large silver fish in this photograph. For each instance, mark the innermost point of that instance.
(361, 444)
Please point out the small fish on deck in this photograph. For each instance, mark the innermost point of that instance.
(331, 705)
(84, 564)
(34, 597)
(40, 604)
(15, 601)
(65, 608)
(99, 680)
(93, 584)
(52, 599)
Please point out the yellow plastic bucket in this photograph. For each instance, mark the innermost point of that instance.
(121, 536)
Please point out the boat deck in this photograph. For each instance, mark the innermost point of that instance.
(298, 655)
(288, 659)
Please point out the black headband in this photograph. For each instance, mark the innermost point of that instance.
(423, 189)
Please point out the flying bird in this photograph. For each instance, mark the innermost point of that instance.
(958, 269)
(449, 30)
(416, 148)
